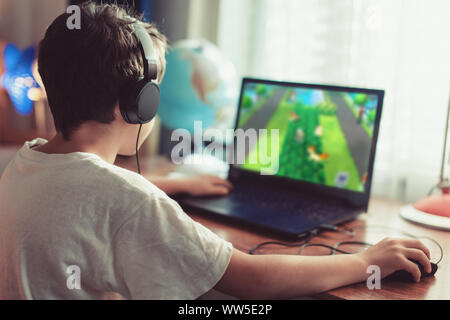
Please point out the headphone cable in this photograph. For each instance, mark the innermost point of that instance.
(137, 149)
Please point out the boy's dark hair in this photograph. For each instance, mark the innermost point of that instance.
(84, 70)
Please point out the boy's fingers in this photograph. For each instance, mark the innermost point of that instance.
(412, 243)
(219, 190)
(228, 185)
(420, 257)
(215, 189)
(412, 268)
(219, 181)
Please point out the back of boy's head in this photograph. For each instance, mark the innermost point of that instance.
(84, 70)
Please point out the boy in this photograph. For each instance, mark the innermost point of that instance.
(64, 206)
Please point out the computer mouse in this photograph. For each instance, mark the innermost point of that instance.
(405, 276)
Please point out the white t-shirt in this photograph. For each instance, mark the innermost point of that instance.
(59, 213)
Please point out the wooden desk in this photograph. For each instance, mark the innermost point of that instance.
(371, 227)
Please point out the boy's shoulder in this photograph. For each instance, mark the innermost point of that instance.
(120, 182)
(117, 194)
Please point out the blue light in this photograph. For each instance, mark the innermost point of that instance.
(11, 56)
(18, 77)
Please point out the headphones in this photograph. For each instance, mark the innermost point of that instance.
(139, 101)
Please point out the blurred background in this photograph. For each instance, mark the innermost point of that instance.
(401, 46)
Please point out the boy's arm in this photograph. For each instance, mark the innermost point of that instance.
(283, 276)
(200, 185)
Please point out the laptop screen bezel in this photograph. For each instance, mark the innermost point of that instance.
(359, 199)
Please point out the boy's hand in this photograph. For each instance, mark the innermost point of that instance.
(396, 254)
(206, 185)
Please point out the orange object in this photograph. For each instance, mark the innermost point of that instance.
(294, 116)
(438, 205)
(364, 179)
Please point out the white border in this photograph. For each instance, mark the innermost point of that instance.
(412, 214)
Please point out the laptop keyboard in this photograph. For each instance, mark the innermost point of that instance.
(309, 207)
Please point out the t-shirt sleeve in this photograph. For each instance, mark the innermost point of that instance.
(161, 253)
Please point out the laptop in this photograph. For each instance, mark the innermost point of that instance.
(321, 141)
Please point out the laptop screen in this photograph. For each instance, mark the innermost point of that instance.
(324, 134)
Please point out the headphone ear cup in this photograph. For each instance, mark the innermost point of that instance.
(139, 102)
(148, 102)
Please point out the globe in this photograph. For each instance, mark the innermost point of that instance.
(200, 84)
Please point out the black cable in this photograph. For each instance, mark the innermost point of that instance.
(439, 246)
(137, 150)
(284, 244)
(384, 228)
(308, 236)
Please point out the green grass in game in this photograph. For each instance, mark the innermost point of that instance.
(339, 159)
(300, 142)
(307, 153)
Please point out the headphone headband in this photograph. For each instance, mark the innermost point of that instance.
(148, 51)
